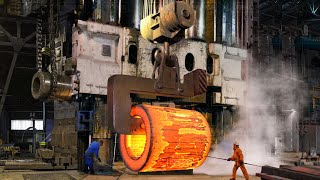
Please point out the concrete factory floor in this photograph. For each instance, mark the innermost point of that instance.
(169, 177)
(75, 175)
(208, 168)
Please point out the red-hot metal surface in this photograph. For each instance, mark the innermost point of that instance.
(175, 139)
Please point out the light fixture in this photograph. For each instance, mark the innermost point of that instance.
(313, 8)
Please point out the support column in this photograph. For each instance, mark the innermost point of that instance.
(219, 20)
(102, 132)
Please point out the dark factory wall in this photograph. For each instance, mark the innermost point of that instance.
(4, 127)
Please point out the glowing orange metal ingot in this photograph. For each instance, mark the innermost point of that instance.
(171, 139)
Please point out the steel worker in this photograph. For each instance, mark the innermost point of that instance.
(238, 159)
(93, 150)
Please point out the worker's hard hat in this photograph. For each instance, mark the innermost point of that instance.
(236, 143)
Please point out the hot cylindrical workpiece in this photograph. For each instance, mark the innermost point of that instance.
(167, 139)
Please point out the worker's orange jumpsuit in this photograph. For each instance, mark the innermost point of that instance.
(238, 158)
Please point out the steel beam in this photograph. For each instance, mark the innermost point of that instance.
(6, 33)
(29, 45)
(15, 19)
(26, 39)
(17, 43)
(4, 43)
(6, 86)
(18, 29)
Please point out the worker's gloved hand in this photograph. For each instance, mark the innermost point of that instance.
(241, 163)
(229, 159)
(99, 159)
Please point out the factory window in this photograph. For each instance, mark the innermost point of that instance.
(106, 50)
(25, 124)
(133, 54)
(189, 62)
(209, 65)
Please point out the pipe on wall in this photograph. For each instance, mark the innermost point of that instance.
(106, 12)
(198, 30)
(131, 11)
(277, 42)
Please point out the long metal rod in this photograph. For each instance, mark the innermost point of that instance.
(227, 160)
(218, 158)
(30, 45)
(3, 43)
(44, 117)
(114, 149)
(18, 29)
(15, 19)
(222, 123)
(47, 137)
(6, 33)
(29, 37)
(34, 134)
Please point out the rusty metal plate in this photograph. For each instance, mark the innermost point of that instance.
(270, 177)
(121, 86)
(303, 170)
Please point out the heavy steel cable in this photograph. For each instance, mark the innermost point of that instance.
(53, 25)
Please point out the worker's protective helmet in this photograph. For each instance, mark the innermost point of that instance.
(236, 143)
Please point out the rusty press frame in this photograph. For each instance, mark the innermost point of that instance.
(168, 85)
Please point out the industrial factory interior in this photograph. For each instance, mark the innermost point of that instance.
(159, 89)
